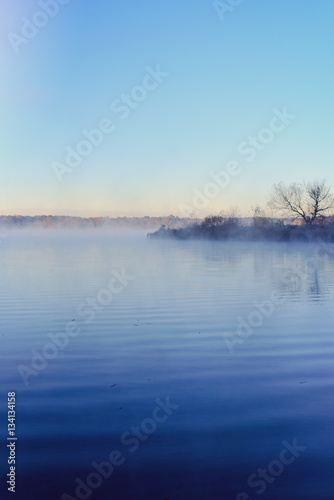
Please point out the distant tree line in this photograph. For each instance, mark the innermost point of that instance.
(302, 212)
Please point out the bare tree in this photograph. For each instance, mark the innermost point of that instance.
(308, 201)
(227, 218)
(259, 216)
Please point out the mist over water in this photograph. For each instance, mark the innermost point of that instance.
(238, 336)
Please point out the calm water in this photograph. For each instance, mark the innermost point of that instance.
(167, 333)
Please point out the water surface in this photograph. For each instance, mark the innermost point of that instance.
(170, 331)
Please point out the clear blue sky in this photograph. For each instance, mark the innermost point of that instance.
(225, 78)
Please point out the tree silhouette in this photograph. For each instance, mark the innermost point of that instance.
(309, 202)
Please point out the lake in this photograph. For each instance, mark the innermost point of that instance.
(147, 369)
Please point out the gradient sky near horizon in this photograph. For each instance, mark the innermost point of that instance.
(225, 77)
